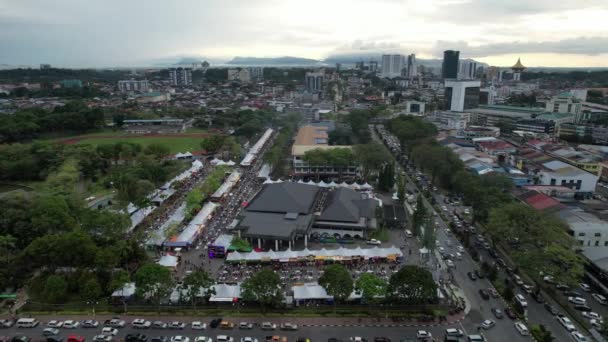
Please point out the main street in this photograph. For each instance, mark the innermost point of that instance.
(536, 313)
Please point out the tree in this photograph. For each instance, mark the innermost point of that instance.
(401, 190)
(198, 282)
(55, 289)
(371, 157)
(419, 216)
(337, 282)
(91, 290)
(541, 334)
(153, 281)
(372, 287)
(507, 293)
(430, 235)
(212, 144)
(7, 245)
(157, 150)
(264, 287)
(412, 285)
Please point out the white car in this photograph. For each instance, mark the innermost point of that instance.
(527, 288)
(599, 298)
(454, 332)
(460, 249)
(373, 242)
(444, 208)
(488, 324)
(180, 338)
(578, 337)
(116, 323)
(102, 338)
(521, 300)
(596, 324)
(203, 339)
(577, 300)
(458, 256)
(249, 339)
(108, 331)
(177, 325)
(140, 323)
(71, 324)
(198, 325)
(159, 325)
(356, 339)
(54, 324)
(89, 323)
(268, 326)
(585, 287)
(289, 326)
(467, 211)
(224, 338)
(566, 323)
(592, 315)
(423, 334)
(50, 331)
(245, 325)
(449, 263)
(522, 329)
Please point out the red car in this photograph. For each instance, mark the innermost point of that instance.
(76, 338)
(510, 313)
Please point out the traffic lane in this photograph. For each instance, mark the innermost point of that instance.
(537, 314)
(316, 333)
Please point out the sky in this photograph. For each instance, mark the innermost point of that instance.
(103, 33)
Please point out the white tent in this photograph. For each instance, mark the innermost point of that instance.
(300, 181)
(225, 293)
(366, 186)
(215, 161)
(278, 181)
(344, 185)
(230, 163)
(355, 186)
(333, 184)
(168, 261)
(323, 184)
(310, 182)
(268, 181)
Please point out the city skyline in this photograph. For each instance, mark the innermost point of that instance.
(111, 33)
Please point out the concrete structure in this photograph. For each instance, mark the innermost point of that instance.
(564, 103)
(414, 107)
(180, 77)
(588, 134)
(153, 97)
(154, 126)
(256, 74)
(449, 67)
(239, 75)
(492, 115)
(71, 83)
(392, 65)
(461, 95)
(313, 82)
(127, 86)
(412, 66)
(311, 138)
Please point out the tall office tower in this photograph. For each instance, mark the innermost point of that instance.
(412, 67)
(461, 95)
(449, 68)
(256, 74)
(468, 70)
(180, 77)
(392, 65)
(314, 82)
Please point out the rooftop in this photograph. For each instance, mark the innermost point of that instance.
(312, 135)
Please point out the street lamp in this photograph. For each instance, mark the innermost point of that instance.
(93, 303)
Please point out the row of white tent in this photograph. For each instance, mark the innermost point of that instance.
(219, 162)
(323, 184)
(334, 254)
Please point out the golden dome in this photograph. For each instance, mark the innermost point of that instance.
(518, 66)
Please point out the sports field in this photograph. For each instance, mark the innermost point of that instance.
(186, 142)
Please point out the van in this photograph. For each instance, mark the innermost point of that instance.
(27, 323)
(521, 300)
(476, 338)
(408, 233)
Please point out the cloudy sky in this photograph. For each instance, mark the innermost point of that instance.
(81, 33)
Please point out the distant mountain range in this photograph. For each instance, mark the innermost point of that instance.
(277, 61)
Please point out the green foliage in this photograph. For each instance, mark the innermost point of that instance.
(91, 289)
(337, 157)
(371, 157)
(153, 281)
(541, 334)
(544, 246)
(24, 162)
(337, 281)
(386, 179)
(411, 131)
(419, 216)
(212, 144)
(198, 282)
(401, 189)
(264, 288)
(372, 287)
(158, 151)
(412, 285)
(55, 289)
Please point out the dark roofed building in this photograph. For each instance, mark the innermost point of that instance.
(285, 212)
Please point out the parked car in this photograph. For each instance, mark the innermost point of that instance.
(159, 339)
(224, 338)
(6, 323)
(245, 325)
(552, 309)
(373, 242)
(71, 324)
(102, 338)
(54, 324)
(115, 323)
(140, 323)
(177, 325)
(578, 337)
(202, 339)
(159, 325)
(423, 335)
(289, 326)
(510, 313)
(585, 287)
(50, 332)
(454, 332)
(198, 325)
(268, 326)
(599, 298)
(180, 338)
(521, 328)
(582, 307)
(89, 323)
(497, 313)
(472, 276)
(566, 322)
(226, 325)
(109, 331)
(136, 338)
(484, 294)
(215, 322)
(592, 315)
(577, 300)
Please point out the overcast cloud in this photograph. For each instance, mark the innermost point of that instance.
(82, 33)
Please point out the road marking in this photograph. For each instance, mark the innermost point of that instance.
(463, 329)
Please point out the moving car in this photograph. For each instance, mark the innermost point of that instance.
(566, 323)
(585, 287)
(268, 326)
(592, 315)
(484, 294)
(224, 338)
(177, 325)
(510, 313)
(159, 339)
(552, 309)
(203, 339)
(578, 337)
(180, 338)
(521, 300)
(488, 324)
(245, 325)
(248, 339)
(423, 335)
(472, 276)
(454, 332)
(497, 313)
(159, 325)
(115, 323)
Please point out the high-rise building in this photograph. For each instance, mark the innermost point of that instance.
(412, 67)
(392, 65)
(449, 67)
(180, 77)
(461, 95)
(314, 82)
(127, 86)
(373, 66)
(468, 70)
(256, 74)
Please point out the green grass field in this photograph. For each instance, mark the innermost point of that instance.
(175, 144)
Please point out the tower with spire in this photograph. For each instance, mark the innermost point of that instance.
(518, 68)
